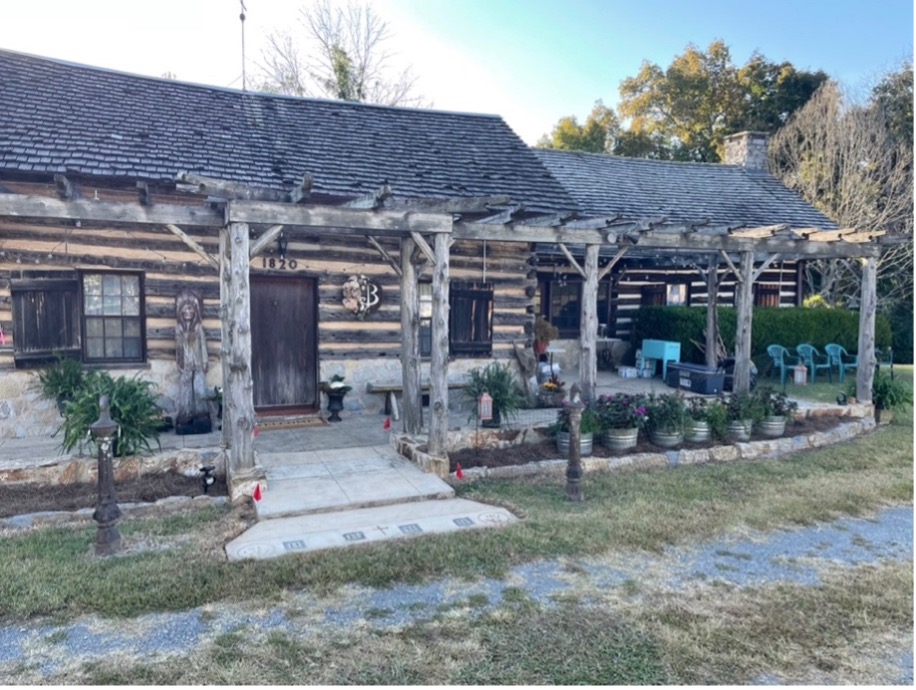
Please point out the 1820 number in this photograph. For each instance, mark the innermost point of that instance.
(281, 264)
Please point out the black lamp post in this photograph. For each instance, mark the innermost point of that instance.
(103, 430)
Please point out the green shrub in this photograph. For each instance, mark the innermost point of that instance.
(132, 405)
(886, 393)
(62, 380)
(785, 326)
(499, 382)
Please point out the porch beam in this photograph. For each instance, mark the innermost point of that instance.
(745, 304)
(410, 340)
(192, 245)
(764, 231)
(588, 362)
(47, 208)
(868, 301)
(475, 204)
(438, 370)
(212, 187)
(342, 220)
(764, 266)
(238, 392)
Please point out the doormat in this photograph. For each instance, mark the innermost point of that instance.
(298, 422)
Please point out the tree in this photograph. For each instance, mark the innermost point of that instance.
(854, 163)
(597, 135)
(702, 97)
(340, 53)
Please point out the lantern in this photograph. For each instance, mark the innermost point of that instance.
(485, 407)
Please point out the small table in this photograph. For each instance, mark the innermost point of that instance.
(665, 350)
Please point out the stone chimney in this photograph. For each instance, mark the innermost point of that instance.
(747, 149)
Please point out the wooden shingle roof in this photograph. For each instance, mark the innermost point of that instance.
(58, 117)
(682, 193)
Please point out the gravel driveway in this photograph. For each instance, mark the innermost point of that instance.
(792, 555)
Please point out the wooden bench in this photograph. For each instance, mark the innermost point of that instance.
(389, 390)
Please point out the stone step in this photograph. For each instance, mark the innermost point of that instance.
(302, 483)
(303, 533)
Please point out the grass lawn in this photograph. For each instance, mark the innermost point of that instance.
(827, 391)
(628, 635)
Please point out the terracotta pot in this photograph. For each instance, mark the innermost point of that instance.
(540, 347)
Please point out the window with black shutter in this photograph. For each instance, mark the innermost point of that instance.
(45, 317)
(471, 319)
(766, 295)
(653, 296)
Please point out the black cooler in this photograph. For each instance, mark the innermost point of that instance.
(696, 378)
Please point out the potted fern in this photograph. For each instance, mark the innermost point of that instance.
(498, 381)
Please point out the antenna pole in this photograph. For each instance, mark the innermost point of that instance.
(242, 18)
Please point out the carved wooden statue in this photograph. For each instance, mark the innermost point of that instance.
(191, 355)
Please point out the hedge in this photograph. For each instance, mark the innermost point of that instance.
(785, 326)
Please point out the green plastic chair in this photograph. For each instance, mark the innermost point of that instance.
(814, 361)
(782, 361)
(840, 359)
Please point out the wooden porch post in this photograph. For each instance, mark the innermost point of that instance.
(588, 366)
(865, 372)
(712, 313)
(237, 395)
(438, 370)
(410, 340)
(225, 259)
(745, 316)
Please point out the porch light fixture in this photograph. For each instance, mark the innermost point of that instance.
(282, 244)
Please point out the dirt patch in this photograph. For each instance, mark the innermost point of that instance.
(22, 499)
(546, 450)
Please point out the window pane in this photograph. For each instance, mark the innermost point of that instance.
(131, 328)
(132, 347)
(95, 328)
(130, 285)
(95, 348)
(93, 305)
(92, 284)
(111, 284)
(114, 347)
(565, 310)
(113, 328)
(111, 305)
(130, 305)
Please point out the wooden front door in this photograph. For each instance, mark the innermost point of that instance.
(284, 343)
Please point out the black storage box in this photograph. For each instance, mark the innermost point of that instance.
(696, 378)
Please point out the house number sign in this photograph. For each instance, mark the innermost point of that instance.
(361, 296)
(280, 263)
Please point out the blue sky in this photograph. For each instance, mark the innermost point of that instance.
(531, 61)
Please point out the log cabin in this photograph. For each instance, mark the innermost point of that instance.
(309, 228)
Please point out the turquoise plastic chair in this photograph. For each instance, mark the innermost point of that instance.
(814, 360)
(782, 361)
(840, 359)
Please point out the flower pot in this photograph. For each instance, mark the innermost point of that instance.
(740, 429)
(619, 439)
(585, 443)
(772, 426)
(540, 347)
(666, 439)
(335, 405)
(548, 399)
(698, 431)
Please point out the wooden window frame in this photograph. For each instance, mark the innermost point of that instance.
(139, 318)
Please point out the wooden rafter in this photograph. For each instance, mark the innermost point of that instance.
(193, 245)
(504, 217)
(385, 255)
(208, 186)
(476, 204)
(266, 238)
(764, 265)
(571, 259)
(65, 188)
(764, 231)
(613, 262)
(732, 267)
(143, 194)
(371, 201)
(423, 246)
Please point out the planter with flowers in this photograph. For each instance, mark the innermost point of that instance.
(775, 411)
(622, 415)
(336, 390)
(551, 393)
(544, 332)
(708, 420)
(667, 419)
(744, 411)
(588, 427)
